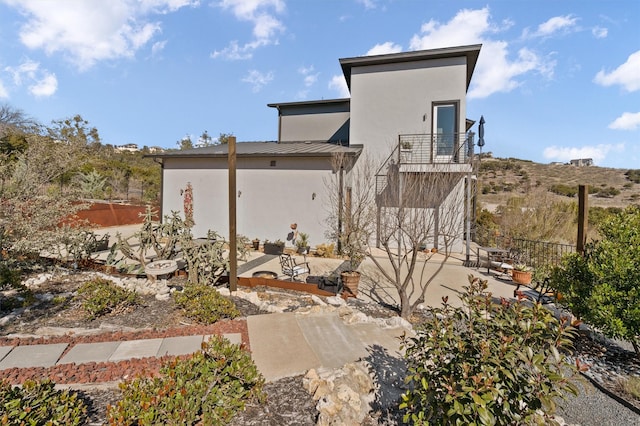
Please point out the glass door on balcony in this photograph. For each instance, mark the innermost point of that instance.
(444, 131)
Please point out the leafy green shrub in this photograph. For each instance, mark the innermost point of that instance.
(486, 363)
(38, 403)
(204, 304)
(100, 297)
(633, 175)
(609, 192)
(602, 287)
(208, 388)
(10, 279)
(562, 189)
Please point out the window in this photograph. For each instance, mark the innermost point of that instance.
(445, 128)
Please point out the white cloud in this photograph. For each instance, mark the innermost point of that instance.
(627, 121)
(40, 82)
(368, 4)
(552, 26)
(599, 32)
(310, 78)
(258, 80)
(597, 152)
(384, 48)
(4, 94)
(495, 71)
(339, 84)
(158, 47)
(46, 86)
(266, 26)
(627, 75)
(89, 31)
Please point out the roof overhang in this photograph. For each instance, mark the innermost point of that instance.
(265, 149)
(310, 103)
(471, 52)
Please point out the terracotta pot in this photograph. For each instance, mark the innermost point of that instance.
(521, 277)
(351, 281)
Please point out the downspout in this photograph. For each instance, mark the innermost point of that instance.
(155, 160)
(279, 125)
(340, 207)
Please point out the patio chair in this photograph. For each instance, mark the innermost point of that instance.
(292, 268)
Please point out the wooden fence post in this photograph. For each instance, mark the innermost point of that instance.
(233, 254)
(583, 217)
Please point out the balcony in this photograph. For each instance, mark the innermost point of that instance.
(434, 153)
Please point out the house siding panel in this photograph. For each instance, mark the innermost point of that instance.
(268, 202)
(392, 99)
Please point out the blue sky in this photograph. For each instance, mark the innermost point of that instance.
(555, 80)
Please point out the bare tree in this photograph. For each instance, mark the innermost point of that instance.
(402, 214)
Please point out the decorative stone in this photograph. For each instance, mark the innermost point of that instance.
(336, 301)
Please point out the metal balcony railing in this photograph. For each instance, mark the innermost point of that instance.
(435, 148)
(425, 149)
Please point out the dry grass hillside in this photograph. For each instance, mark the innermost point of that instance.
(501, 179)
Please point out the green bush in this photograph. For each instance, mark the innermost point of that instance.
(562, 189)
(486, 363)
(633, 175)
(208, 388)
(609, 192)
(38, 403)
(100, 297)
(10, 279)
(204, 304)
(602, 287)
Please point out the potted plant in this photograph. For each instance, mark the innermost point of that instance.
(521, 274)
(276, 247)
(354, 247)
(302, 243)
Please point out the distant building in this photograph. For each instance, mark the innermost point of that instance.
(581, 162)
(130, 147)
(556, 163)
(155, 149)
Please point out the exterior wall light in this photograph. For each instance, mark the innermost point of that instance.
(313, 196)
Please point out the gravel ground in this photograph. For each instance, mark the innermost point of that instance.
(592, 407)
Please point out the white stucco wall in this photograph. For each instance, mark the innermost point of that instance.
(313, 127)
(392, 99)
(269, 198)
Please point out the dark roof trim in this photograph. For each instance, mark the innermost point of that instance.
(265, 149)
(316, 102)
(471, 52)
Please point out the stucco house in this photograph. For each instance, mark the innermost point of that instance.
(406, 110)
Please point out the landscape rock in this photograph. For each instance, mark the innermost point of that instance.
(344, 395)
(336, 301)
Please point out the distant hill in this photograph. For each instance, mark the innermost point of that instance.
(502, 178)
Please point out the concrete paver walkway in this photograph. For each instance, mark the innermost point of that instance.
(289, 344)
(49, 355)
